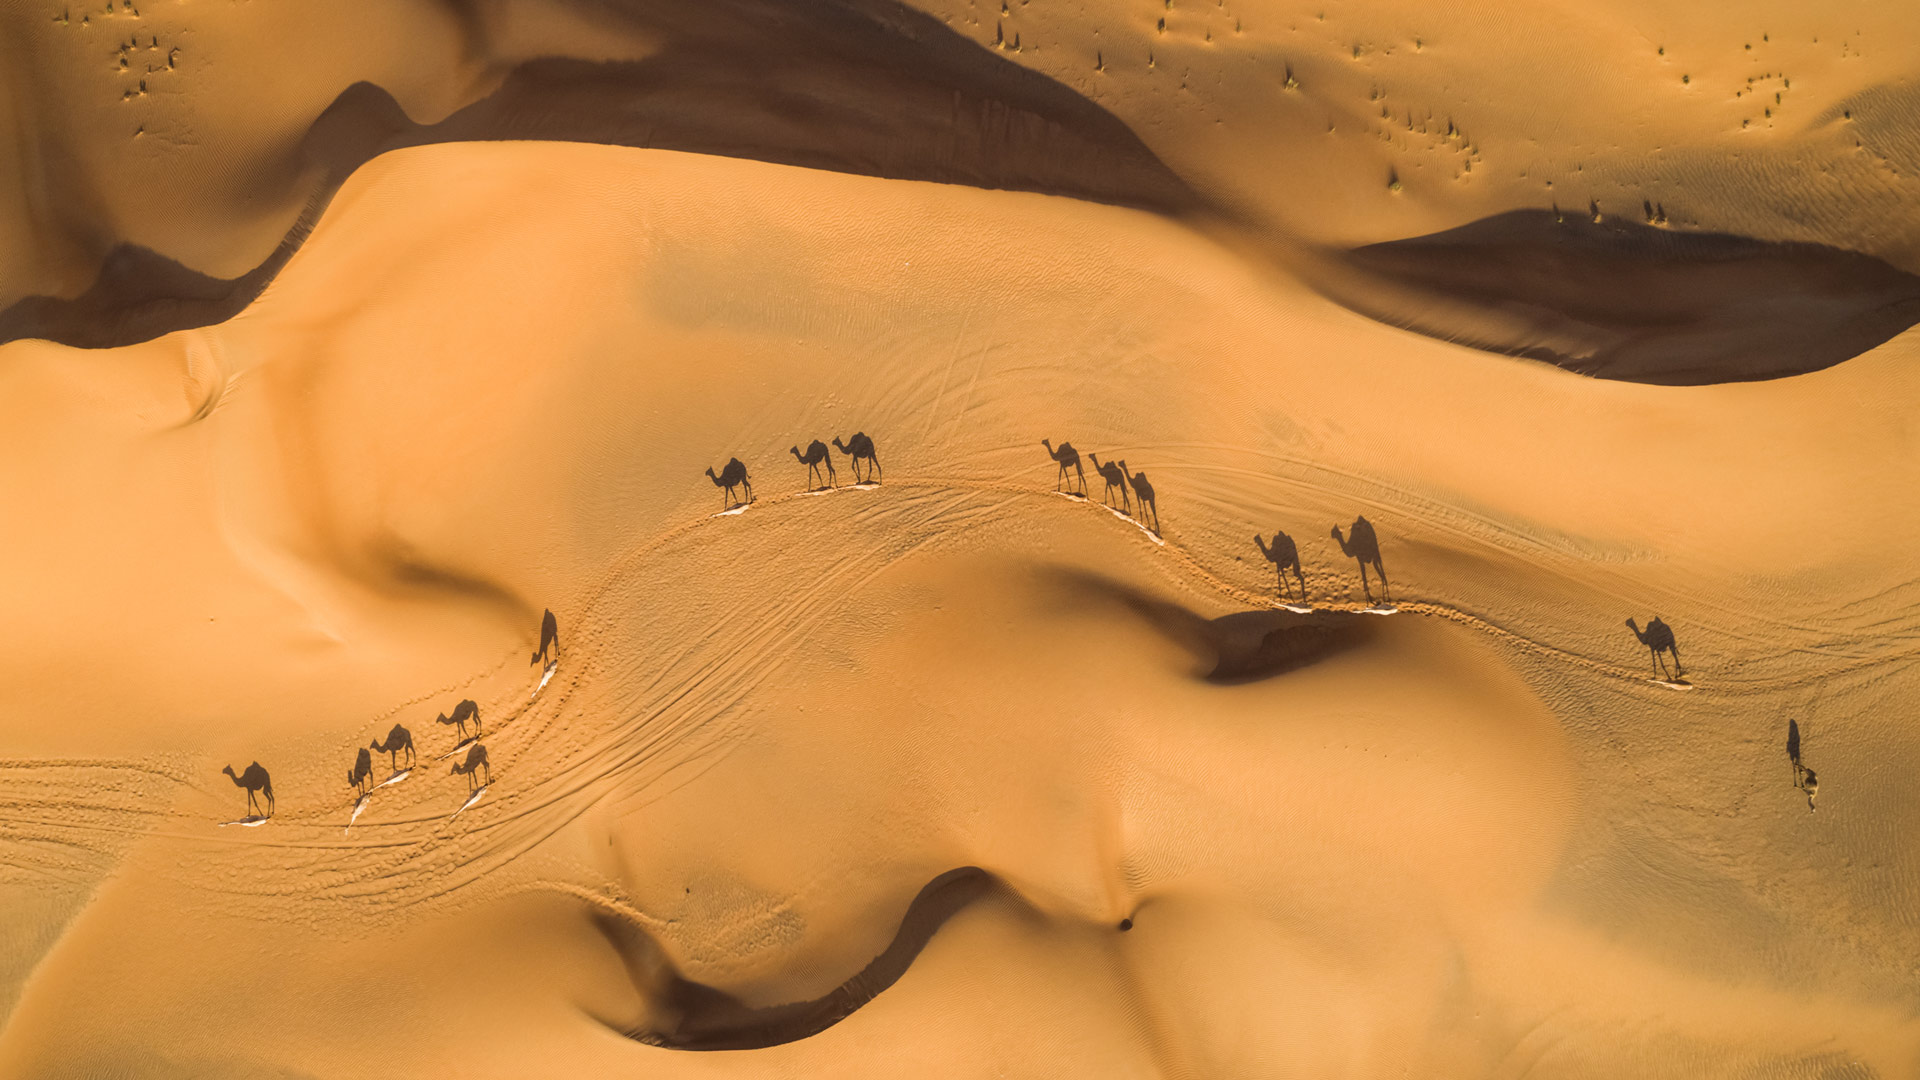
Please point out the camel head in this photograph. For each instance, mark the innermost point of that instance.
(838, 445)
(710, 475)
(229, 771)
(796, 451)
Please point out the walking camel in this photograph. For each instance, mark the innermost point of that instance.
(549, 638)
(1142, 491)
(815, 457)
(1115, 478)
(1658, 638)
(1284, 556)
(1364, 546)
(361, 775)
(857, 448)
(476, 760)
(732, 476)
(254, 779)
(462, 713)
(398, 739)
(1066, 457)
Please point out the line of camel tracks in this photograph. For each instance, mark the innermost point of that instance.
(1358, 542)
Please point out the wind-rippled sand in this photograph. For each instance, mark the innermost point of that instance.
(343, 343)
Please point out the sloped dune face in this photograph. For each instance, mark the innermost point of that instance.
(978, 754)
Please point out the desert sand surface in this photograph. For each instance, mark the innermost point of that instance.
(358, 338)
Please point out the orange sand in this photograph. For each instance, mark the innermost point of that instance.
(1470, 839)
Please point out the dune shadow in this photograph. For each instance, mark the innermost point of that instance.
(1621, 300)
(870, 87)
(1232, 650)
(694, 1016)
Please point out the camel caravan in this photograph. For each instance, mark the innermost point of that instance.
(398, 746)
(1136, 502)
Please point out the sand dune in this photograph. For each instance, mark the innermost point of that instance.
(953, 775)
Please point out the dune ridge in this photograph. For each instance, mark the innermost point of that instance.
(870, 87)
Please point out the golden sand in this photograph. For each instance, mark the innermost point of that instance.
(317, 396)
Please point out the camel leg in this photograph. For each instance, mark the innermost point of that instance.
(749, 485)
(1364, 587)
(1677, 669)
(876, 470)
(1386, 594)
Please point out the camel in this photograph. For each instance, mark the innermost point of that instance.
(1066, 457)
(1284, 556)
(1658, 637)
(857, 448)
(732, 476)
(476, 760)
(549, 638)
(1115, 478)
(361, 775)
(1142, 491)
(254, 779)
(815, 457)
(397, 740)
(1365, 546)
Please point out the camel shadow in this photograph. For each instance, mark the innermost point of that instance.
(1363, 544)
(1658, 638)
(361, 775)
(815, 457)
(732, 475)
(549, 638)
(399, 741)
(1284, 555)
(1114, 477)
(1143, 494)
(463, 712)
(1803, 778)
(860, 448)
(1067, 458)
(474, 766)
(255, 779)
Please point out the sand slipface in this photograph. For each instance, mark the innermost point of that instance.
(949, 772)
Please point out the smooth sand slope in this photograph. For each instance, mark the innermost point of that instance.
(956, 776)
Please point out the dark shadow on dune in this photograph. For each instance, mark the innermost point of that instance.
(858, 86)
(1232, 650)
(1619, 300)
(694, 1016)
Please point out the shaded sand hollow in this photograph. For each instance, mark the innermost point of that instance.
(954, 776)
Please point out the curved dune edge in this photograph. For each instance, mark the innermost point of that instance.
(1632, 302)
(695, 1016)
(869, 87)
